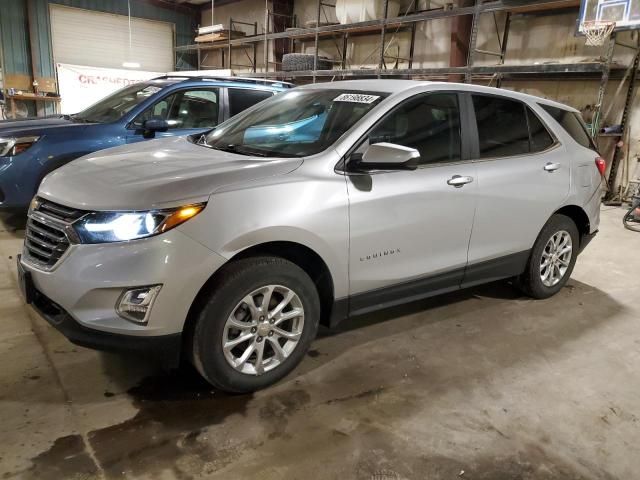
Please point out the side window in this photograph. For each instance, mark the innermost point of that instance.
(572, 123)
(242, 98)
(541, 139)
(185, 109)
(158, 110)
(502, 126)
(195, 109)
(429, 123)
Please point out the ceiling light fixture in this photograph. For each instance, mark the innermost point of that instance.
(130, 64)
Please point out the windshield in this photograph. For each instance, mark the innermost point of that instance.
(113, 107)
(294, 124)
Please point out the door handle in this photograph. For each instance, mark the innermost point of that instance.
(459, 181)
(551, 167)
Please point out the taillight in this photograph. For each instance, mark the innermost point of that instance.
(601, 165)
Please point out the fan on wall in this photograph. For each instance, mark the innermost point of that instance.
(20, 110)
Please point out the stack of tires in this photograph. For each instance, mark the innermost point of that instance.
(292, 62)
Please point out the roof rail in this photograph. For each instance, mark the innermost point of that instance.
(255, 81)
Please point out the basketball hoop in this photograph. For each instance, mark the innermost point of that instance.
(597, 31)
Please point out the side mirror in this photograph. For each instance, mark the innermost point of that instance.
(388, 156)
(154, 125)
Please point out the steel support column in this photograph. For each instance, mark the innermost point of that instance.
(316, 41)
(604, 80)
(382, 35)
(229, 43)
(503, 46)
(460, 37)
(473, 39)
(345, 43)
(615, 161)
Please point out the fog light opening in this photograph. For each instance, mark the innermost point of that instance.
(135, 304)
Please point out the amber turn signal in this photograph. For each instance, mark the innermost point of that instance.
(181, 215)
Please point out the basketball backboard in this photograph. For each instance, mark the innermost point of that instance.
(626, 13)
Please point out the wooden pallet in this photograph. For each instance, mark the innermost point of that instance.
(220, 35)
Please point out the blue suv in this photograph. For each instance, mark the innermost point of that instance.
(164, 106)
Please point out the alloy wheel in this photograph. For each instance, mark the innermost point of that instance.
(556, 258)
(263, 329)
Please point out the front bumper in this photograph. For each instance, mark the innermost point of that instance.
(166, 348)
(79, 295)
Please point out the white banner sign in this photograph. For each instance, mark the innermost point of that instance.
(81, 86)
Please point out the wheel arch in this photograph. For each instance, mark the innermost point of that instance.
(579, 217)
(304, 257)
(307, 259)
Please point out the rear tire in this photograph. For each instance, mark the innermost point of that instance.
(552, 258)
(276, 335)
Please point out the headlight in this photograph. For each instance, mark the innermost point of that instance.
(10, 147)
(104, 227)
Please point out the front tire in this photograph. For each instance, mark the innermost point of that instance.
(259, 320)
(552, 258)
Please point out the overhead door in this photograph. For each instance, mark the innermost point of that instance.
(96, 39)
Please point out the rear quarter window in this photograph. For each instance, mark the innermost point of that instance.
(572, 124)
(503, 130)
(242, 98)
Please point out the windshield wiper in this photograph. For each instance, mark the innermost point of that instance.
(76, 118)
(226, 148)
(252, 152)
(240, 150)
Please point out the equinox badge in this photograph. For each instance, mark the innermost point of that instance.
(383, 253)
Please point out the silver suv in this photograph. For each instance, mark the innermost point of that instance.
(323, 202)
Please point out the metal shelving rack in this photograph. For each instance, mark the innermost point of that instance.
(604, 69)
(408, 22)
(225, 46)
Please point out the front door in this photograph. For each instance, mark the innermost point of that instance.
(409, 230)
(186, 111)
(523, 177)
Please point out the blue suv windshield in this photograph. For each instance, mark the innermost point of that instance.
(294, 124)
(114, 106)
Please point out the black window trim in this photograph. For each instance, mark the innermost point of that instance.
(553, 136)
(133, 126)
(474, 128)
(342, 167)
(592, 141)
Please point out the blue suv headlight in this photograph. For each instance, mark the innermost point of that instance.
(12, 146)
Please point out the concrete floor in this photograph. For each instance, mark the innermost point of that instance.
(481, 384)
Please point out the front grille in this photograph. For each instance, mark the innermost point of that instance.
(47, 233)
(59, 212)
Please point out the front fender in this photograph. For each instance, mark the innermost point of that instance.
(310, 212)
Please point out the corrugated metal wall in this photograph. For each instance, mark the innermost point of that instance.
(14, 32)
(15, 37)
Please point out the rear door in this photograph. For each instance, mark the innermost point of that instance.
(187, 111)
(523, 177)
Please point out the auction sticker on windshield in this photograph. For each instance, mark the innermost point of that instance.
(356, 98)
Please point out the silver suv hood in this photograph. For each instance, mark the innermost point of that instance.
(154, 174)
